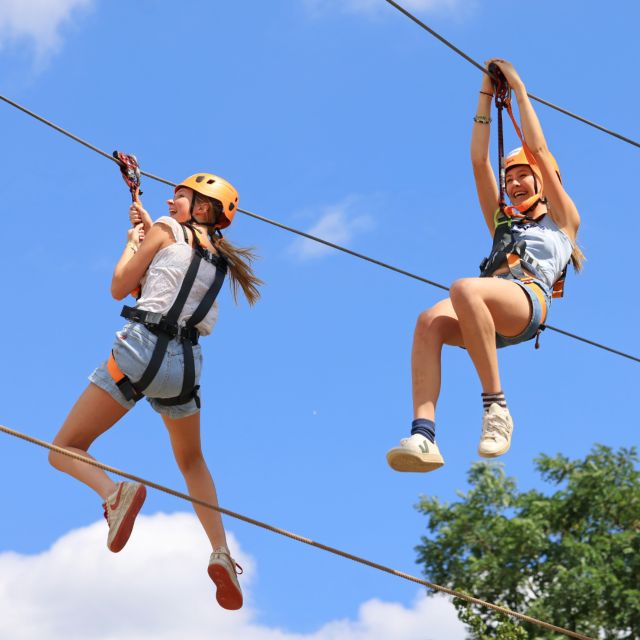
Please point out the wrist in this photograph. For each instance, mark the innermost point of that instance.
(131, 246)
(519, 89)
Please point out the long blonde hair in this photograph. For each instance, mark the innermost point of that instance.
(239, 259)
(577, 257)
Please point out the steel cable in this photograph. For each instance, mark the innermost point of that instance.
(283, 532)
(469, 59)
(302, 233)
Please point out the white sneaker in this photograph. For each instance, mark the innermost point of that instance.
(223, 570)
(415, 453)
(120, 511)
(497, 426)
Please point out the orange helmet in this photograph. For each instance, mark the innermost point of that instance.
(211, 186)
(520, 156)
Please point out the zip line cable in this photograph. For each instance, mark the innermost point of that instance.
(304, 234)
(374, 565)
(469, 59)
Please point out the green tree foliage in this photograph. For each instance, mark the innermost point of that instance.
(570, 557)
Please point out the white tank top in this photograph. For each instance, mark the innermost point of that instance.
(161, 283)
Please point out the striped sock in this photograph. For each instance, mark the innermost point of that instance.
(424, 427)
(490, 398)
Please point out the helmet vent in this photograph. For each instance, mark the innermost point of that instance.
(231, 206)
(210, 181)
(199, 178)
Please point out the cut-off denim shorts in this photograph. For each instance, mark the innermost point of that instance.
(132, 351)
(537, 312)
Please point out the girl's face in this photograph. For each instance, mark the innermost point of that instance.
(180, 203)
(520, 183)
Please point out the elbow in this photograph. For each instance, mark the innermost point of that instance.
(479, 160)
(117, 291)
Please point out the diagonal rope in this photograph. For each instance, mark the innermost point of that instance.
(469, 59)
(374, 565)
(302, 233)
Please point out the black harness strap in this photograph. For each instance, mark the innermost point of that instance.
(189, 388)
(171, 319)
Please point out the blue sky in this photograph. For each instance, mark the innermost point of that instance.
(339, 118)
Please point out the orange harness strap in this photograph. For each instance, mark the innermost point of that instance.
(122, 382)
(538, 293)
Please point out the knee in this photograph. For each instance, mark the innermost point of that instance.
(430, 325)
(463, 292)
(55, 458)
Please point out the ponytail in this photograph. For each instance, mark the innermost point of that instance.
(239, 259)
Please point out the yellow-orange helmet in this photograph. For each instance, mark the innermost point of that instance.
(212, 186)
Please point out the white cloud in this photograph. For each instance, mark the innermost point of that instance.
(337, 224)
(158, 588)
(317, 7)
(37, 21)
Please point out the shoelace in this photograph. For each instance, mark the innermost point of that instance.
(495, 425)
(237, 568)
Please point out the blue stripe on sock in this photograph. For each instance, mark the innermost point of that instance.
(424, 427)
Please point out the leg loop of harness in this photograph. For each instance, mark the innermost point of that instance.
(122, 381)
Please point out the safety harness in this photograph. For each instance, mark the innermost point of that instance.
(166, 328)
(506, 246)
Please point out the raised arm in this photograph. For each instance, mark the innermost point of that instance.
(562, 209)
(486, 185)
(137, 257)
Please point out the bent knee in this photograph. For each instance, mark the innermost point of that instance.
(55, 458)
(464, 290)
(433, 325)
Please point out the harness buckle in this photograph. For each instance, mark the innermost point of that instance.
(152, 317)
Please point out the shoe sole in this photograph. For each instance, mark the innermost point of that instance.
(126, 526)
(402, 460)
(227, 593)
(494, 454)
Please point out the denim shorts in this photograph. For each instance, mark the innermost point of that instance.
(538, 314)
(132, 351)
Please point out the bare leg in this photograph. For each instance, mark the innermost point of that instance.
(484, 306)
(94, 413)
(435, 327)
(185, 441)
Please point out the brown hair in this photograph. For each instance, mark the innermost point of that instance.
(239, 259)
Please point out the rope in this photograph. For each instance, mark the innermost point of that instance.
(374, 565)
(297, 231)
(476, 64)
